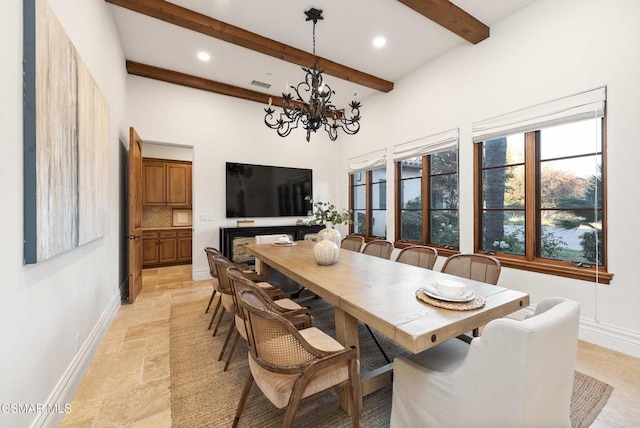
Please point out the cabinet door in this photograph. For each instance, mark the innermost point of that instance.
(153, 183)
(168, 246)
(184, 246)
(177, 184)
(150, 254)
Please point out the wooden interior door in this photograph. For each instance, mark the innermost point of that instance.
(135, 214)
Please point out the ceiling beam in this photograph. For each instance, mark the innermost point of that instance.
(178, 78)
(451, 17)
(194, 21)
(170, 76)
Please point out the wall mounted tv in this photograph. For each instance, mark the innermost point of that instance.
(267, 191)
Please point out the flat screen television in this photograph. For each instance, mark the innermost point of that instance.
(267, 191)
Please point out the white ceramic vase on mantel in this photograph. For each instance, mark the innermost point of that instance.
(330, 233)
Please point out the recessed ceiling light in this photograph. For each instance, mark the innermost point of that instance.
(379, 42)
(203, 56)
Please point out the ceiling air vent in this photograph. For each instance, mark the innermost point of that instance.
(261, 84)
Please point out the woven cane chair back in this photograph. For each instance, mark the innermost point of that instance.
(418, 255)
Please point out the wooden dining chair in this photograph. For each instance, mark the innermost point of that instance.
(378, 248)
(226, 292)
(418, 255)
(298, 315)
(212, 253)
(478, 267)
(352, 243)
(290, 365)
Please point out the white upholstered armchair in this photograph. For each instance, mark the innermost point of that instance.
(267, 239)
(518, 374)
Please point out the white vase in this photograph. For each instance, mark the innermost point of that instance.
(329, 233)
(326, 252)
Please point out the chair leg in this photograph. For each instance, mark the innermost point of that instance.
(231, 351)
(297, 293)
(354, 387)
(292, 408)
(243, 399)
(215, 311)
(384, 354)
(232, 329)
(210, 300)
(215, 330)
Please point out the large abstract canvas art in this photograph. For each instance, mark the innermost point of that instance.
(66, 137)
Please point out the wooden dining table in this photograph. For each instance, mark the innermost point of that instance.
(381, 293)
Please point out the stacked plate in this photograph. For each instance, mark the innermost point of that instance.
(449, 291)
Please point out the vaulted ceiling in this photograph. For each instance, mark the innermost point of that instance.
(268, 41)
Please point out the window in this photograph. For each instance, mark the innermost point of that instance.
(368, 194)
(427, 201)
(540, 203)
(369, 202)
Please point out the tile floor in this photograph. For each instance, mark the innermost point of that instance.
(128, 382)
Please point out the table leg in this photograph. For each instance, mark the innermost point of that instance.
(347, 334)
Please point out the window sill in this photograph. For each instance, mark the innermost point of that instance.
(568, 271)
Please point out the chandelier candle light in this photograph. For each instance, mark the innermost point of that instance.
(318, 111)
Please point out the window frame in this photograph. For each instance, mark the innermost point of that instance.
(425, 190)
(529, 261)
(368, 235)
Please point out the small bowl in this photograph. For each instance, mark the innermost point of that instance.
(450, 288)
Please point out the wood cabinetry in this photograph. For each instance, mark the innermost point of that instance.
(166, 247)
(166, 183)
(184, 245)
(150, 249)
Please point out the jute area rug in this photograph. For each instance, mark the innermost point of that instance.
(202, 395)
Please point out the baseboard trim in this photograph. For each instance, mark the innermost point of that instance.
(611, 337)
(67, 385)
(201, 275)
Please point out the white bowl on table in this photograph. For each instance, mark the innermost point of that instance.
(283, 240)
(450, 288)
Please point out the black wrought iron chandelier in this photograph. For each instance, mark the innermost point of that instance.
(318, 111)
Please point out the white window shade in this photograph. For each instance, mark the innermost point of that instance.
(427, 145)
(367, 161)
(581, 106)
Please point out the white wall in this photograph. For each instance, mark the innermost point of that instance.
(551, 49)
(222, 129)
(43, 307)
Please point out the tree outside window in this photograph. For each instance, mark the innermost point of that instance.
(369, 202)
(428, 199)
(542, 194)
